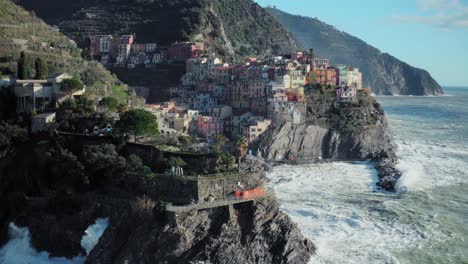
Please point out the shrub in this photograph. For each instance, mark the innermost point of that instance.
(110, 102)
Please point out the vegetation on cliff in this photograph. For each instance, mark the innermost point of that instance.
(24, 33)
(352, 116)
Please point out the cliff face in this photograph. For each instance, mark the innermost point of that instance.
(286, 141)
(385, 74)
(57, 212)
(248, 233)
(231, 27)
(312, 142)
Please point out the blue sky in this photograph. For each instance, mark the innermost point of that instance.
(429, 34)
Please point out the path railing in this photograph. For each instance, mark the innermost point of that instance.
(206, 205)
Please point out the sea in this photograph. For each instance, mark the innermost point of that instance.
(339, 208)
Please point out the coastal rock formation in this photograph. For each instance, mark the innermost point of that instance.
(248, 233)
(286, 141)
(385, 74)
(57, 211)
(312, 142)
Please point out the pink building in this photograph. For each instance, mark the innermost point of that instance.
(297, 55)
(127, 39)
(210, 127)
(346, 93)
(185, 50)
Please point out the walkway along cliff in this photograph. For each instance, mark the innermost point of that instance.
(47, 196)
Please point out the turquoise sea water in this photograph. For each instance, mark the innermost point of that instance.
(425, 222)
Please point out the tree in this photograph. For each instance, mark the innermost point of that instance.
(71, 85)
(23, 67)
(225, 162)
(110, 102)
(138, 122)
(11, 134)
(136, 165)
(220, 142)
(103, 162)
(177, 162)
(41, 69)
(242, 145)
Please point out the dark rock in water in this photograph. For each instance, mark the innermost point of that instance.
(388, 174)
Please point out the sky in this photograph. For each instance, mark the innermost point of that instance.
(428, 34)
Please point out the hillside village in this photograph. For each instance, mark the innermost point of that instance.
(216, 98)
(244, 99)
(181, 180)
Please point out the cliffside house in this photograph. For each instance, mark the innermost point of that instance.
(41, 94)
(325, 76)
(346, 94)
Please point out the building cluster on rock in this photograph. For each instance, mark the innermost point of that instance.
(243, 99)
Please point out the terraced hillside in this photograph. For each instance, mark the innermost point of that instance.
(21, 31)
(231, 27)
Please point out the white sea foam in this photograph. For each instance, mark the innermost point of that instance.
(19, 250)
(336, 206)
(93, 233)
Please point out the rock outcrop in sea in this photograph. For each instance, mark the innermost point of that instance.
(314, 143)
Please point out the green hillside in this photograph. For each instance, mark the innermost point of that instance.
(22, 31)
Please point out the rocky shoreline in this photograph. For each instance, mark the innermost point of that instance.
(141, 230)
(295, 144)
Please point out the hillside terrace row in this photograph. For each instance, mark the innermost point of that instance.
(216, 98)
(123, 51)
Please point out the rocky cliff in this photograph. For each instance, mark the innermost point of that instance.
(286, 141)
(231, 27)
(248, 233)
(58, 210)
(313, 142)
(385, 74)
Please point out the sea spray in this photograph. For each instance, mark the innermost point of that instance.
(93, 233)
(338, 207)
(20, 251)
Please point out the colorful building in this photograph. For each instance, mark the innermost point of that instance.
(210, 127)
(254, 131)
(325, 76)
(182, 51)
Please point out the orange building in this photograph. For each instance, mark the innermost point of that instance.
(325, 76)
(295, 95)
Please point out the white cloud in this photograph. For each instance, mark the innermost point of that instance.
(444, 14)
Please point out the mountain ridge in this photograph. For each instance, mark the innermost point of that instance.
(384, 73)
(231, 27)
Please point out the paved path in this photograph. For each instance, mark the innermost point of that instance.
(200, 206)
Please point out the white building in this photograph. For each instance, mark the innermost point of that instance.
(33, 94)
